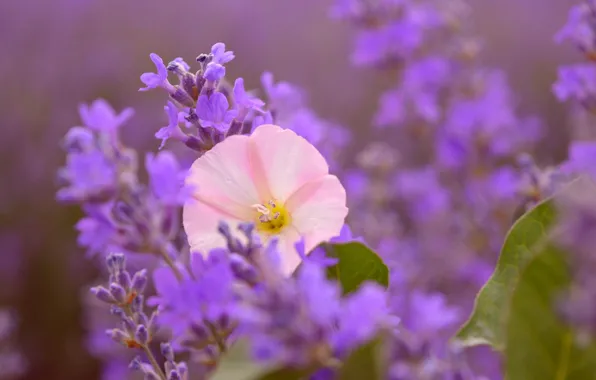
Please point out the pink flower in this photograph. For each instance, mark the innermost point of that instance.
(273, 178)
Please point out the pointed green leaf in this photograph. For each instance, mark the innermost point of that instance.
(357, 264)
(487, 323)
(539, 345)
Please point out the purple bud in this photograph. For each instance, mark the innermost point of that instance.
(142, 319)
(153, 324)
(182, 369)
(200, 83)
(182, 97)
(129, 325)
(142, 335)
(137, 304)
(103, 294)
(117, 311)
(118, 292)
(123, 212)
(117, 335)
(204, 58)
(200, 331)
(139, 281)
(167, 352)
(174, 375)
(247, 229)
(123, 279)
(243, 269)
(235, 127)
(189, 82)
(193, 143)
(136, 364)
(223, 322)
(116, 262)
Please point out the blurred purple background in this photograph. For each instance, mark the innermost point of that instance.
(56, 54)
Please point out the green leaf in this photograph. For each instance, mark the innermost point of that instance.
(539, 345)
(486, 324)
(237, 365)
(284, 374)
(366, 362)
(357, 264)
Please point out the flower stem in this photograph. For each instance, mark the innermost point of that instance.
(154, 364)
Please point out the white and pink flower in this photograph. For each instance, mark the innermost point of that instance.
(273, 178)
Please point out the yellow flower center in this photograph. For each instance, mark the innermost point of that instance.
(271, 217)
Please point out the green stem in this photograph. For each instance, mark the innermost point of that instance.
(154, 364)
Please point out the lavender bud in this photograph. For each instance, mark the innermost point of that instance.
(142, 319)
(204, 58)
(123, 212)
(235, 127)
(142, 335)
(183, 98)
(193, 143)
(129, 325)
(188, 83)
(182, 369)
(200, 331)
(153, 324)
(118, 292)
(192, 118)
(137, 365)
(123, 278)
(117, 335)
(139, 281)
(167, 352)
(117, 311)
(243, 269)
(223, 322)
(137, 304)
(247, 229)
(174, 375)
(103, 294)
(115, 262)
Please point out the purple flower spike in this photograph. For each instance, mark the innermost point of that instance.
(154, 80)
(220, 55)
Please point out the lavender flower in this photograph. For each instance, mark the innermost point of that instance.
(172, 130)
(304, 322)
(125, 295)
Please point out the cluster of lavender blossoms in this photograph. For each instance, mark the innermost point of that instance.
(438, 192)
(576, 84)
(447, 172)
(204, 301)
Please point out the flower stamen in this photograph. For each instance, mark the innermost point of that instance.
(272, 217)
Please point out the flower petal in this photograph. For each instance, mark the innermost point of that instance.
(200, 223)
(318, 210)
(290, 259)
(222, 179)
(288, 160)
